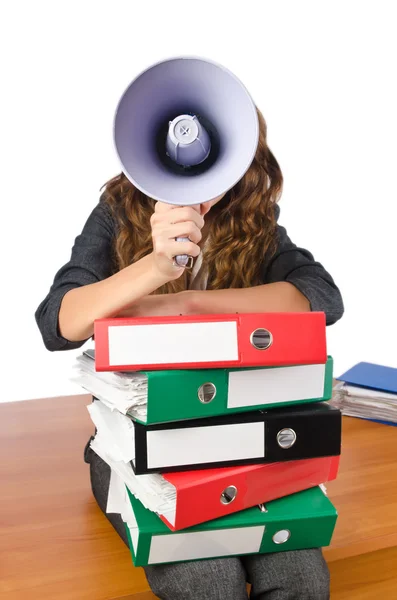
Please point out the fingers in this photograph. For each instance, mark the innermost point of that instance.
(176, 214)
(165, 207)
(189, 248)
(187, 229)
(171, 248)
(169, 222)
(168, 231)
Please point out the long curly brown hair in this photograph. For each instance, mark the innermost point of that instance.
(242, 230)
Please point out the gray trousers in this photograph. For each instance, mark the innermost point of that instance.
(294, 575)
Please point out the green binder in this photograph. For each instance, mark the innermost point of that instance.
(177, 395)
(303, 520)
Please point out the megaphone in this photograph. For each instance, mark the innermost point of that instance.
(185, 131)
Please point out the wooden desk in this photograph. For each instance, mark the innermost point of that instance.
(55, 544)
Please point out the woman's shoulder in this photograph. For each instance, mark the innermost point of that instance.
(101, 220)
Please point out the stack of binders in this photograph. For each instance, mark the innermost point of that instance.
(216, 432)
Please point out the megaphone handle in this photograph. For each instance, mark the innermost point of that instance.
(183, 260)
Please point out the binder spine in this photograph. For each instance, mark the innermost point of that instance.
(188, 393)
(237, 491)
(262, 339)
(276, 536)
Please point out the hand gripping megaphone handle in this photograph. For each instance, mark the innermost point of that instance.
(183, 260)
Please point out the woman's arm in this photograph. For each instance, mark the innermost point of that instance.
(292, 282)
(298, 267)
(89, 262)
(81, 306)
(86, 287)
(273, 297)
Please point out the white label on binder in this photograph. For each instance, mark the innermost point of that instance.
(205, 544)
(206, 444)
(272, 385)
(173, 343)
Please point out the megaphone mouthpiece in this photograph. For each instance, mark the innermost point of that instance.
(188, 142)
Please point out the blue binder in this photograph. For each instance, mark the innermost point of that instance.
(373, 377)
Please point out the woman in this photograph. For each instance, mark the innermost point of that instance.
(122, 263)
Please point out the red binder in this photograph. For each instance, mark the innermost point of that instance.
(210, 341)
(205, 495)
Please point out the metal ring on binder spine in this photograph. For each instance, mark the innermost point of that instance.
(261, 339)
(206, 392)
(228, 494)
(286, 438)
(282, 536)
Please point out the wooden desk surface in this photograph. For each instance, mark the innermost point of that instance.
(365, 491)
(56, 544)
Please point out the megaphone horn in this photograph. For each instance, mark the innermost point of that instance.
(185, 131)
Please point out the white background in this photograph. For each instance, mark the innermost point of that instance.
(323, 74)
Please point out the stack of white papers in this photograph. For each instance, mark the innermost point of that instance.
(118, 501)
(365, 403)
(116, 431)
(125, 392)
(156, 493)
(118, 395)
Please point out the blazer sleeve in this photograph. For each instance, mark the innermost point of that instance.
(90, 261)
(298, 266)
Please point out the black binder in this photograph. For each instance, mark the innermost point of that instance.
(305, 431)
